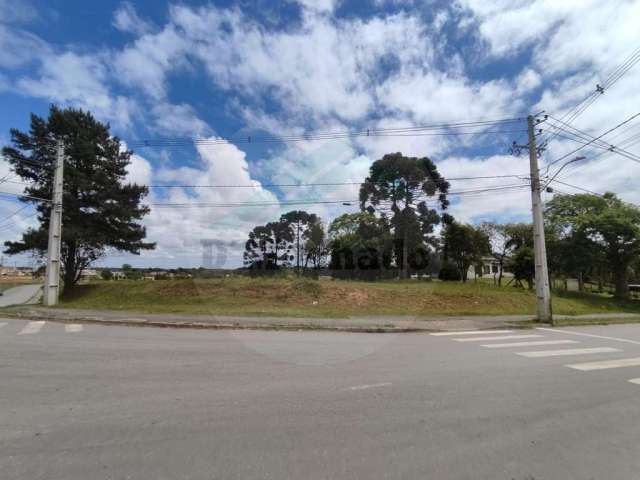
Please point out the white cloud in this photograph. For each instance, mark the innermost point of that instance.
(146, 63)
(12, 11)
(334, 74)
(239, 54)
(126, 19)
(19, 47)
(139, 170)
(178, 120)
(81, 81)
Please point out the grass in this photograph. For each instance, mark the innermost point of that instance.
(326, 298)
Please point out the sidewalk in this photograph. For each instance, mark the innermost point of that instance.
(353, 324)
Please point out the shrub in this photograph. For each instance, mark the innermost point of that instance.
(449, 273)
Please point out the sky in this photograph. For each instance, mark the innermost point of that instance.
(230, 70)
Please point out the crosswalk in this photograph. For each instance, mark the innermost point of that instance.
(544, 343)
(36, 326)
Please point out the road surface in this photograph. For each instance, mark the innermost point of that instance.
(21, 295)
(95, 402)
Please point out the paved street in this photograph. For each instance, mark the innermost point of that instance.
(95, 402)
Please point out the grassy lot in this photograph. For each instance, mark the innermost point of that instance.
(302, 297)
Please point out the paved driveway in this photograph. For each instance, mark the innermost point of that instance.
(21, 295)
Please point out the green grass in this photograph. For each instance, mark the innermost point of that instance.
(326, 298)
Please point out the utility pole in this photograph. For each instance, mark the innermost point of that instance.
(52, 279)
(543, 292)
(298, 249)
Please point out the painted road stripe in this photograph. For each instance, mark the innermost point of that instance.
(635, 380)
(366, 387)
(502, 337)
(623, 362)
(602, 337)
(471, 332)
(32, 327)
(72, 328)
(570, 351)
(529, 344)
(3, 324)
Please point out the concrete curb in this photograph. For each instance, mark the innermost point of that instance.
(219, 326)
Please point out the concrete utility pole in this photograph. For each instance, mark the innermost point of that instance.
(543, 292)
(52, 280)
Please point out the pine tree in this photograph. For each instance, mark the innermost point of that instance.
(101, 210)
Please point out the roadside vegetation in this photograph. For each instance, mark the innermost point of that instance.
(239, 295)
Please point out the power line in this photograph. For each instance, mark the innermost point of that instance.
(613, 77)
(419, 130)
(285, 203)
(14, 213)
(321, 184)
(21, 195)
(11, 224)
(588, 143)
(587, 136)
(628, 142)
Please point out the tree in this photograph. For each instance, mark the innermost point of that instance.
(505, 239)
(398, 187)
(299, 222)
(106, 274)
(465, 245)
(131, 273)
(315, 245)
(101, 210)
(606, 220)
(522, 265)
(360, 246)
(269, 246)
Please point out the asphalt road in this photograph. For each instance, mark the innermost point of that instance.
(20, 295)
(98, 402)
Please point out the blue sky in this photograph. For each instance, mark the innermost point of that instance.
(230, 70)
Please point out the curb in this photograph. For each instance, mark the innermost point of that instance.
(222, 326)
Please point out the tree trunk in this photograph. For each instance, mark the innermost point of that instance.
(69, 274)
(580, 282)
(622, 285)
(405, 256)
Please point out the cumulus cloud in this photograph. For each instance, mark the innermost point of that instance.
(394, 68)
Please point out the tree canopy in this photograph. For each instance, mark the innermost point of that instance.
(398, 189)
(101, 210)
(465, 245)
(605, 221)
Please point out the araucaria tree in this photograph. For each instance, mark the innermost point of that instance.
(300, 222)
(269, 246)
(101, 210)
(398, 189)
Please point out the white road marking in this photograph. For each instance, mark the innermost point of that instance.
(529, 344)
(635, 380)
(3, 324)
(471, 332)
(366, 387)
(570, 351)
(502, 337)
(635, 342)
(623, 362)
(73, 327)
(32, 327)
